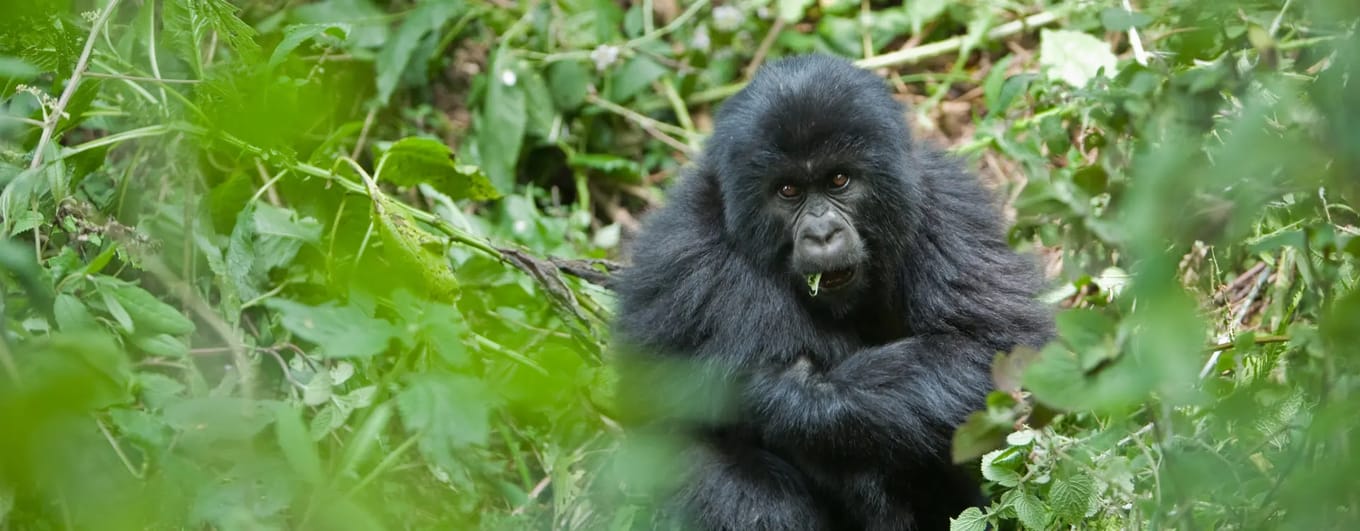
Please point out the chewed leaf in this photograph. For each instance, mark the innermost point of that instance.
(814, 283)
(411, 161)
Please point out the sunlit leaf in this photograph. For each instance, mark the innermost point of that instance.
(1074, 57)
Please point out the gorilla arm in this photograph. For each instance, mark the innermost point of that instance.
(891, 402)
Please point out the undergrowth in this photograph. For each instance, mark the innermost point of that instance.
(337, 264)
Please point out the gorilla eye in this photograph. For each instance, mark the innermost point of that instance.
(789, 191)
(839, 181)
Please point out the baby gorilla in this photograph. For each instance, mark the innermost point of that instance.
(836, 293)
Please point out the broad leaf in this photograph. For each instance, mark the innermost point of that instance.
(411, 161)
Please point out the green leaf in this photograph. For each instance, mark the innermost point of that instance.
(635, 76)
(792, 10)
(339, 331)
(284, 223)
(162, 345)
(148, 315)
(922, 12)
(74, 372)
(296, 34)
(1118, 19)
(1084, 329)
(568, 82)
(318, 390)
(449, 411)
(982, 432)
(17, 70)
(1058, 380)
(211, 419)
(971, 519)
(190, 23)
(412, 161)
(1000, 466)
(1074, 57)
(618, 167)
(297, 445)
(1031, 511)
(412, 253)
(365, 439)
(500, 128)
(396, 53)
(72, 315)
(1071, 496)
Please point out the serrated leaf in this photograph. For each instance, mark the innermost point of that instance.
(1074, 57)
(1031, 511)
(339, 331)
(411, 161)
(341, 372)
(325, 422)
(359, 398)
(189, 23)
(999, 466)
(1071, 496)
(448, 410)
(971, 519)
(318, 390)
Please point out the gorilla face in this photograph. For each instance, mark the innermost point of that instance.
(813, 162)
(817, 206)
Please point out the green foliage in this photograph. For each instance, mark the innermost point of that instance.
(296, 264)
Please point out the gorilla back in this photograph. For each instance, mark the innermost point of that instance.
(815, 310)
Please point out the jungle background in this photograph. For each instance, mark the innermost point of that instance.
(337, 264)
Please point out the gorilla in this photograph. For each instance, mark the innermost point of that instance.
(845, 287)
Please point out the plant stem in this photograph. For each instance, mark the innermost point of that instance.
(50, 124)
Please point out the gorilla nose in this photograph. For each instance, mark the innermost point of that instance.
(824, 237)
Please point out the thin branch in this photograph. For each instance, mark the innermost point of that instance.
(953, 44)
(50, 125)
(764, 48)
(1258, 340)
(117, 449)
(122, 77)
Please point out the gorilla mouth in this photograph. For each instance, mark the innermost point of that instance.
(837, 279)
(830, 280)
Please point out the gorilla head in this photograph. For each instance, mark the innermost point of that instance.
(814, 158)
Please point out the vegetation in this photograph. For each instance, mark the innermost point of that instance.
(333, 264)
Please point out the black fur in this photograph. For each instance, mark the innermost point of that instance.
(810, 413)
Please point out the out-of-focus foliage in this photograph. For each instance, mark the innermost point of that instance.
(295, 264)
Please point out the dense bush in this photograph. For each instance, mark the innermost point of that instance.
(281, 264)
